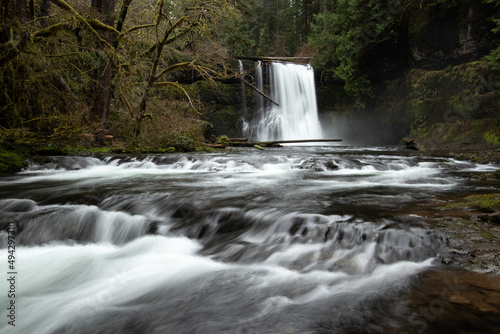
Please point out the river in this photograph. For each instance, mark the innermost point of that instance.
(286, 240)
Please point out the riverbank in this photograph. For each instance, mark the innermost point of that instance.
(469, 222)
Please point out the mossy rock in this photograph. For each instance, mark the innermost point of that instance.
(183, 144)
(492, 136)
(11, 162)
(224, 140)
(101, 150)
(50, 150)
(484, 203)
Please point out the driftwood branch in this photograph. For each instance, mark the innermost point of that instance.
(259, 91)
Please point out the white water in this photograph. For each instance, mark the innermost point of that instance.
(243, 92)
(245, 241)
(296, 117)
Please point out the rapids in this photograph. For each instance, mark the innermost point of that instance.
(237, 242)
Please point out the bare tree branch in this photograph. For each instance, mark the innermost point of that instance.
(175, 84)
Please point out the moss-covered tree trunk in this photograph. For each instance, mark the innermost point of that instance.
(104, 73)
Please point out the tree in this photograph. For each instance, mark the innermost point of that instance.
(273, 28)
(180, 28)
(494, 55)
(104, 10)
(346, 34)
(79, 66)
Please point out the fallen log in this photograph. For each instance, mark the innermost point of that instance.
(215, 145)
(245, 142)
(238, 139)
(287, 59)
(276, 143)
(259, 91)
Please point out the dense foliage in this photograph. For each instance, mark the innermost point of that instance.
(494, 56)
(83, 73)
(345, 36)
(132, 72)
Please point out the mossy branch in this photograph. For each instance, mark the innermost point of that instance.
(98, 25)
(123, 14)
(177, 85)
(64, 5)
(52, 29)
(174, 68)
(172, 28)
(140, 27)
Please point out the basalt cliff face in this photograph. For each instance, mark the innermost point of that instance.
(431, 83)
(441, 36)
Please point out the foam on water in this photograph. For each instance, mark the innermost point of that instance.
(66, 288)
(214, 243)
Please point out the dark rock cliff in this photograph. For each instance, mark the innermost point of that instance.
(431, 82)
(451, 33)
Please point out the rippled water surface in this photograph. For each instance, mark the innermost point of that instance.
(287, 240)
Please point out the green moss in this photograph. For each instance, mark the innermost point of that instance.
(225, 120)
(205, 149)
(100, 150)
(11, 162)
(223, 140)
(183, 144)
(484, 203)
(492, 136)
(49, 149)
(479, 159)
(449, 95)
(488, 235)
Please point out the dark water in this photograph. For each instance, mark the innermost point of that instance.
(288, 240)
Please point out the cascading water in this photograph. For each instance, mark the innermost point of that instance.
(296, 117)
(243, 241)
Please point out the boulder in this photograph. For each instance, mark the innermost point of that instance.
(318, 165)
(411, 144)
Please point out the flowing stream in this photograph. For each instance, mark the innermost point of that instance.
(286, 240)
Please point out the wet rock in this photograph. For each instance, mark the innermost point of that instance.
(489, 176)
(17, 205)
(411, 144)
(318, 165)
(491, 218)
(495, 219)
(453, 301)
(331, 166)
(183, 211)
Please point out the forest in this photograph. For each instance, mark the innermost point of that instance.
(155, 75)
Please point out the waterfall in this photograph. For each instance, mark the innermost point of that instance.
(296, 117)
(243, 93)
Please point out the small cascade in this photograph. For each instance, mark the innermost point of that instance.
(296, 117)
(38, 225)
